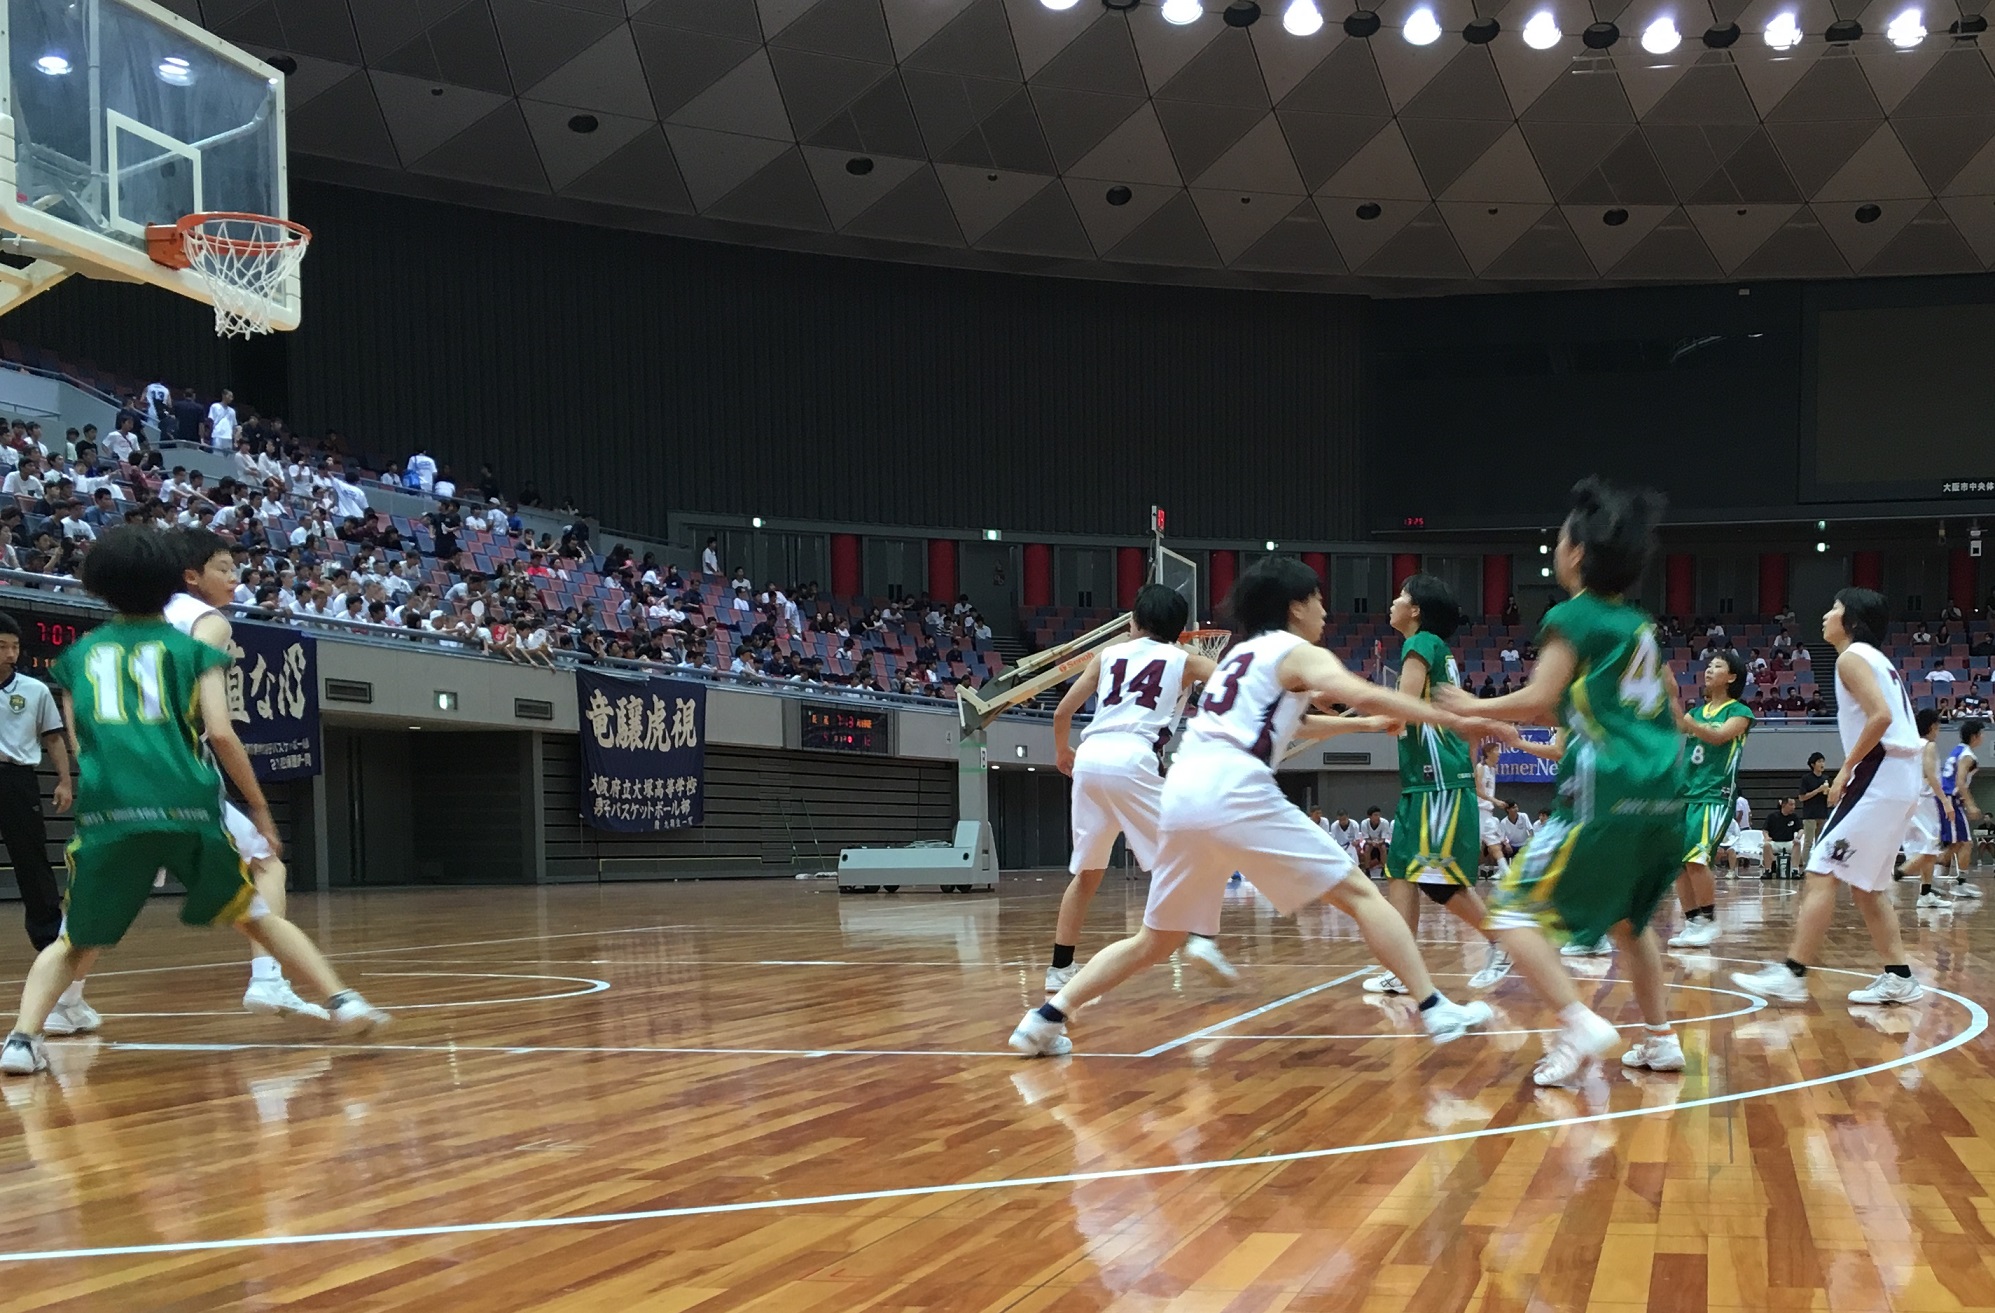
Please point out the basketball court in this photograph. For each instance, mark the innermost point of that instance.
(771, 1096)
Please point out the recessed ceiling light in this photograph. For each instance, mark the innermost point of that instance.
(1369, 210)
(1362, 23)
(1843, 31)
(1868, 213)
(1661, 37)
(1783, 32)
(583, 123)
(1059, 4)
(1422, 28)
(1599, 36)
(1614, 218)
(1118, 196)
(1181, 12)
(1302, 18)
(859, 166)
(52, 64)
(1542, 31)
(1908, 29)
(1481, 32)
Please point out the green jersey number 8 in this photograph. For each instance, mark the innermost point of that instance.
(1697, 755)
(1642, 685)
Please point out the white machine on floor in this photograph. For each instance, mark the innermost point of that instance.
(971, 861)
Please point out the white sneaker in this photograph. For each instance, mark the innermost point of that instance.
(1774, 981)
(275, 997)
(1598, 948)
(355, 1016)
(1493, 970)
(1205, 954)
(1577, 1044)
(1057, 977)
(1448, 1021)
(1384, 983)
(1657, 1053)
(71, 1019)
(23, 1056)
(1037, 1037)
(1701, 933)
(1966, 889)
(1888, 988)
(1933, 902)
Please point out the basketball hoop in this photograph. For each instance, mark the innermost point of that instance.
(243, 259)
(1208, 643)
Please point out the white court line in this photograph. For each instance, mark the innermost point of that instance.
(1168, 1045)
(510, 1049)
(591, 986)
(1754, 1003)
(1978, 1023)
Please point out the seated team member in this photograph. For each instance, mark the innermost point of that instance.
(1783, 830)
(1374, 838)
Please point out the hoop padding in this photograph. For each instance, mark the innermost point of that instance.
(244, 260)
(1209, 643)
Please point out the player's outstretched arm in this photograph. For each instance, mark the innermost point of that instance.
(1536, 701)
(1315, 727)
(1076, 697)
(1552, 751)
(1311, 669)
(228, 750)
(1723, 732)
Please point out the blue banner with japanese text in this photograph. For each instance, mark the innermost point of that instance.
(1514, 765)
(274, 700)
(643, 752)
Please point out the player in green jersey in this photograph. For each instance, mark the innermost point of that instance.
(1607, 855)
(1717, 728)
(140, 693)
(1437, 832)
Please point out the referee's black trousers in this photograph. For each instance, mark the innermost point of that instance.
(26, 837)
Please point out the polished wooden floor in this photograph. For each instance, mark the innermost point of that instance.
(763, 1095)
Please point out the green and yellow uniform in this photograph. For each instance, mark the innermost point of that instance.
(147, 796)
(1711, 782)
(1614, 842)
(1437, 831)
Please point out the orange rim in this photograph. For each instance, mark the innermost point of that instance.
(166, 243)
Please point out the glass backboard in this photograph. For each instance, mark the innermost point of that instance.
(124, 114)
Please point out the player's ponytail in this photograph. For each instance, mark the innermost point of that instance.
(1615, 528)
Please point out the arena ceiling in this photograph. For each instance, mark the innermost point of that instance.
(1099, 143)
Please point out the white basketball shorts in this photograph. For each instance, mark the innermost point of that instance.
(1117, 790)
(1223, 812)
(249, 842)
(1923, 839)
(1859, 843)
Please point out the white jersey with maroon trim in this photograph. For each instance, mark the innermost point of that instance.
(1245, 708)
(1141, 690)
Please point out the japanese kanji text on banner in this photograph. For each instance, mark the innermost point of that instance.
(274, 700)
(643, 752)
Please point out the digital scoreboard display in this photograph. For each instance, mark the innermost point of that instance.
(45, 635)
(847, 729)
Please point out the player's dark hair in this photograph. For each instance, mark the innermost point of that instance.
(200, 546)
(9, 625)
(1737, 665)
(1615, 528)
(134, 569)
(1440, 614)
(1259, 599)
(1970, 729)
(1371, 811)
(1866, 615)
(1161, 612)
(1929, 717)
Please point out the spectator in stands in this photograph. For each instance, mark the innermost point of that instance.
(1511, 615)
(1922, 633)
(488, 483)
(1939, 674)
(445, 484)
(72, 523)
(122, 442)
(1951, 613)
(188, 416)
(26, 479)
(103, 513)
(1970, 702)
(222, 421)
(1804, 661)
(444, 524)
(421, 470)
(1512, 659)
(1488, 689)
(710, 557)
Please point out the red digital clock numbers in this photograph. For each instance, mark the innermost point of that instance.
(1414, 522)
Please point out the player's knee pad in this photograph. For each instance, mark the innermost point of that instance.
(1440, 893)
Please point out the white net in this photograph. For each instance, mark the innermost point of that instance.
(1206, 642)
(245, 260)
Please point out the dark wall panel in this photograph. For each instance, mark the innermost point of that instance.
(641, 372)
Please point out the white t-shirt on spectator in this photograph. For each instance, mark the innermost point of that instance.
(270, 511)
(351, 500)
(444, 488)
(1941, 676)
(710, 561)
(423, 466)
(16, 486)
(222, 425)
(119, 443)
(79, 529)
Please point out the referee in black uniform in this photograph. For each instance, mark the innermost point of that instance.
(30, 724)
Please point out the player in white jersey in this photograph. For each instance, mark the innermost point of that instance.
(1118, 775)
(1873, 797)
(1957, 780)
(1486, 804)
(210, 583)
(1223, 811)
(1923, 848)
(1344, 833)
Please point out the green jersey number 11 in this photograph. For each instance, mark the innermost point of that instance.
(112, 671)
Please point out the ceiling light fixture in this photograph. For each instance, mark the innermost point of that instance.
(1906, 30)
(1181, 12)
(1422, 28)
(1783, 32)
(1482, 31)
(1302, 18)
(1869, 213)
(1661, 37)
(1242, 13)
(1362, 23)
(1721, 38)
(1843, 32)
(1542, 32)
(52, 64)
(1059, 4)
(175, 71)
(1599, 36)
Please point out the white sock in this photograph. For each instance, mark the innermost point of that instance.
(1574, 1014)
(74, 994)
(264, 967)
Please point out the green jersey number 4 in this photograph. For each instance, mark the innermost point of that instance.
(1642, 683)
